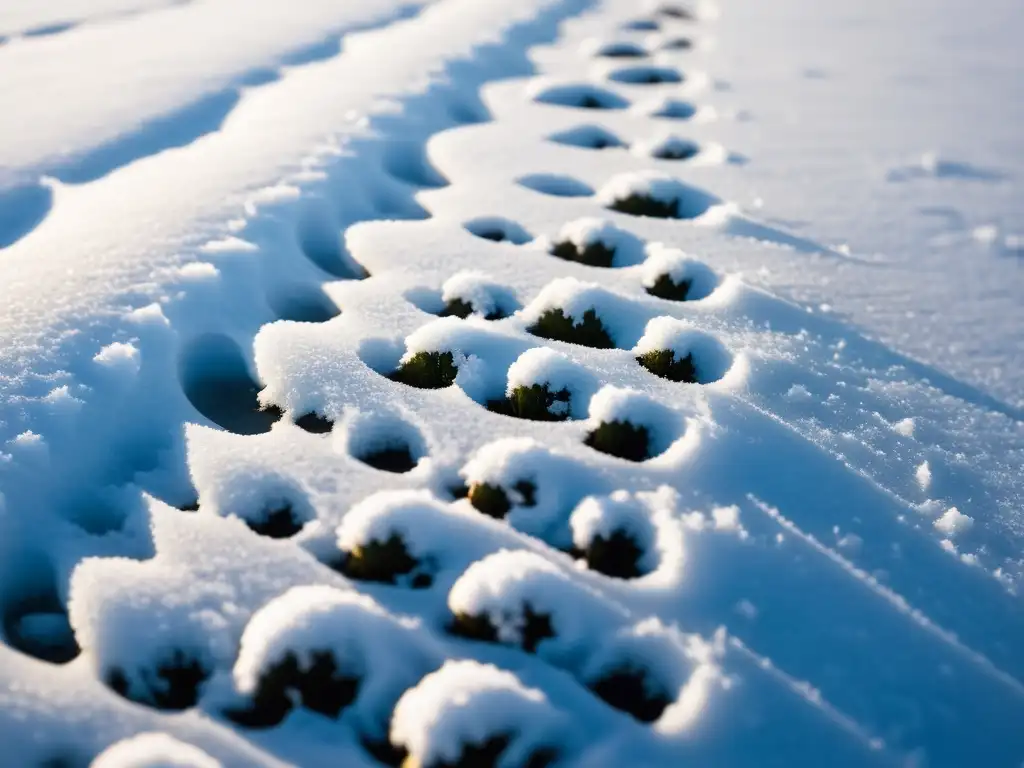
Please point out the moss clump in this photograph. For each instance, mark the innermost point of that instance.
(380, 561)
(617, 556)
(536, 627)
(315, 423)
(397, 460)
(173, 685)
(589, 332)
(663, 363)
(666, 288)
(645, 205)
(594, 254)
(626, 689)
(279, 523)
(463, 309)
(533, 402)
(321, 688)
(494, 502)
(428, 370)
(621, 439)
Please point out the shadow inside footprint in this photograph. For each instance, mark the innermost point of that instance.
(216, 381)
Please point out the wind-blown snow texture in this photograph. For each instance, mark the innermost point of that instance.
(421, 401)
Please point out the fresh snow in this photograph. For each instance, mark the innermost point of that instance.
(225, 230)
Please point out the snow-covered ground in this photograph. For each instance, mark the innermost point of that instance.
(549, 382)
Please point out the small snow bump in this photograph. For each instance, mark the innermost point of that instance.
(923, 475)
(954, 522)
(119, 356)
(904, 427)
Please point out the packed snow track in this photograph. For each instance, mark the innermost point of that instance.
(406, 408)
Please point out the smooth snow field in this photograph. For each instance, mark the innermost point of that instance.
(509, 384)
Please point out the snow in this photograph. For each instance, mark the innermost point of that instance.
(223, 230)
(686, 202)
(486, 296)
(710, 358)
(556, 371)
(954, 522)
(503, 586)
(628, 249)
(153, 750)
(466, 702)
(619, 404)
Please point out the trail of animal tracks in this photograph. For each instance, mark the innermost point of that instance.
(430, 384)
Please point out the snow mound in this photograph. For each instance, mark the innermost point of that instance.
(466, 704)
(153, 750)
(520, 598)
(655, 194)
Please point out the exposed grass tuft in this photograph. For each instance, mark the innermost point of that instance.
(594, 255)
(380, 561)
(645, 205)
(663, 363)
(617, 556)
(492, 500)
(665, 288)
(533, 402)
(621, 439)
(589, 332)
(173, 685)
(321, 688)
(428, 370)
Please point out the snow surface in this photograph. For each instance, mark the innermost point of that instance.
(219, 223)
